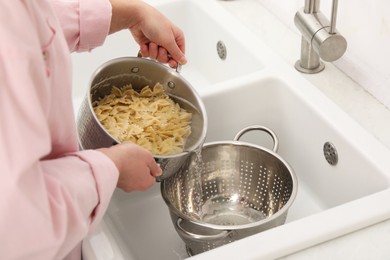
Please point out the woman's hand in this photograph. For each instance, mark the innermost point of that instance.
(157, 37)
(136, 165)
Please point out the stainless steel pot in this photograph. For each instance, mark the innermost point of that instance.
(236, 189)
(141, 72)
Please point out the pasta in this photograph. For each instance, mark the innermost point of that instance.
(149, 118)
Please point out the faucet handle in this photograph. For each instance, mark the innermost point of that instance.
(333, 17)
(329, 44)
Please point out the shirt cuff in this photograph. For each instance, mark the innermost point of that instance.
(106, 177)
(95, 20)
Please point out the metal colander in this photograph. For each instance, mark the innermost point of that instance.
(227, 191)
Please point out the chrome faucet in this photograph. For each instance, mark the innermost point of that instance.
(320, 39)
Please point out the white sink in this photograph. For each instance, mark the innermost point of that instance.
(252, 86)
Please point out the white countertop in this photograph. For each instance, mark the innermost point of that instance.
(368, 243)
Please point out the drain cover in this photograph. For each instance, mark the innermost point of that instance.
(221, 50)
(330, 153)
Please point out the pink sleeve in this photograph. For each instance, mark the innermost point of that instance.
(85, 22)
(100, 171)
(45, 209)
(51, 193)
(47, 205)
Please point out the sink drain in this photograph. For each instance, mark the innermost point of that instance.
(330, 153)
(221, 50)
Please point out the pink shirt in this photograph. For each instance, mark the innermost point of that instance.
(51, 194)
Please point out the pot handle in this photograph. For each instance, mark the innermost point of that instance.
(261, 128)
(178, 68)
(192, 236)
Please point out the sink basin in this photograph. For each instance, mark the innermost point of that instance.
(331, 200)
(251, 86)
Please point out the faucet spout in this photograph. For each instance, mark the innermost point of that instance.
(311, 6)
(320, 39)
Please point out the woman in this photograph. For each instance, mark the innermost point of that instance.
(51, 193)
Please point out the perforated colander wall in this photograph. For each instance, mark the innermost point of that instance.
(250, 177)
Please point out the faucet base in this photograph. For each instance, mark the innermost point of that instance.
(317, 69)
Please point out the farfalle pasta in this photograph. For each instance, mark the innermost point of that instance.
(149, 118)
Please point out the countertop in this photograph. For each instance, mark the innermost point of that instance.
(370, 242)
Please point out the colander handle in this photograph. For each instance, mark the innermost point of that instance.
(178, 68)
(192, 236)
(261, 128)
